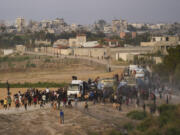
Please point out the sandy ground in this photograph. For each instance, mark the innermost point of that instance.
(45, 121)
(55, 75)
(100, 118)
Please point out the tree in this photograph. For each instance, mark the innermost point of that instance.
(3, 29)
(171, 61)
(170, 65)
(177, 74)
(101, 24)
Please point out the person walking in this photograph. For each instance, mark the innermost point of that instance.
(25, 103)
(61, 116)
(9, 100)
(5, 103)
(76, 102)
(86, 106)
(144, 109)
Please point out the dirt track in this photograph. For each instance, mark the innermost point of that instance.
(77, 121)
(100, 118)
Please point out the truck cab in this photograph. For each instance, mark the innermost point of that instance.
(76, 88)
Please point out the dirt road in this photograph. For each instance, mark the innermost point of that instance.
(45, 121)
(100, 118)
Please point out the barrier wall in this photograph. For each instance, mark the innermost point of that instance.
(100, 53)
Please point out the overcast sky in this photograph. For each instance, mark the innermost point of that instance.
(88, 11)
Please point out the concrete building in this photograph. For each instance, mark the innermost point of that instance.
(111, 43)
(8, 51)
(107, 29)
(162, 43)
(58, 21)
(137, 25)
(122, 34)
(78, 41)
(20, 48)
(81, 39)
(60, 42)
(45, 24)
(119, 25)
(20, 24)
(74, 27)
(133, 34)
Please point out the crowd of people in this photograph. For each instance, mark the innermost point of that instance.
(123, 96)
(35, 97)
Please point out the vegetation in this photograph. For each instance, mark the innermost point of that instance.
(28, 39)
(167, 123)
(34, 85)
(14, 59)
(47, 60)
(137, 115)
(139, 38)
(128, 126)
(169, 70)
(111, 132)
(30, 65)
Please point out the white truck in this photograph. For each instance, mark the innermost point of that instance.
(76, 88)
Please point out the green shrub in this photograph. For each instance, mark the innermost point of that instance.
(128, 126)
(167, 114)
(14, 59)
(33, 65)
(146, 124)
(167, 123)
(137, 115)
(172, 130)
(34, 85)
(47, 60)
(30, 65)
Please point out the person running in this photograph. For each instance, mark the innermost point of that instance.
(61, 117)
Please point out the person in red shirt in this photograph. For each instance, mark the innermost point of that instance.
(35, 100)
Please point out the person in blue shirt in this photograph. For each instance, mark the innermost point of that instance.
(61, 116)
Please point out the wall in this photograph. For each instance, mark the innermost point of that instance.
(8, 51)
(66, 51)
(126, 56)
(100, 53)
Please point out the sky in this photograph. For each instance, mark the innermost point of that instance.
(89, 11)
